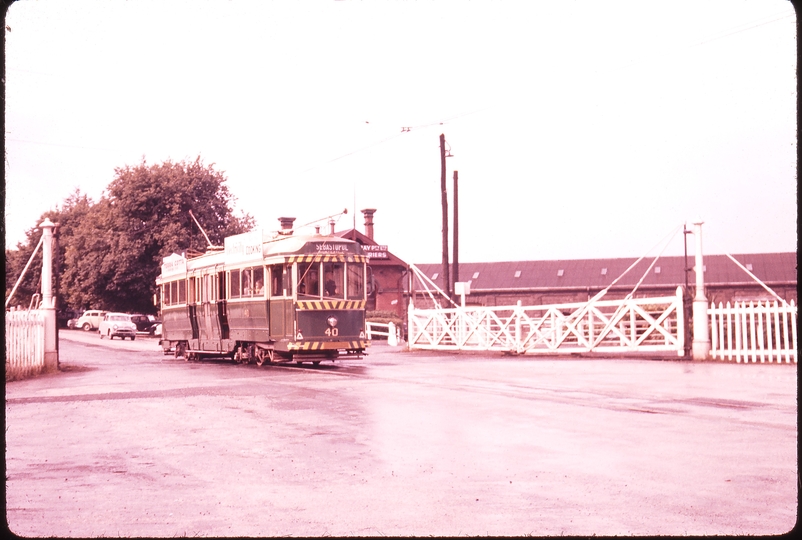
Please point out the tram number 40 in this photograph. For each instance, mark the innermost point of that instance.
(332, 332)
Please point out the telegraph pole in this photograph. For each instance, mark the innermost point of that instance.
(444, 199)
(455, 273)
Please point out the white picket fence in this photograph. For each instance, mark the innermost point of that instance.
(25, 343)
(628, 325)
(386, 330)
(752, 331)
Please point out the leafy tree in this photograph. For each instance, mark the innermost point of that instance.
(115, 255)
(111, 251)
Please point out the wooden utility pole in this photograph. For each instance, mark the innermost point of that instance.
(455, 272)
(444, 199)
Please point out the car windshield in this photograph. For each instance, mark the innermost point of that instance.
(120, 318)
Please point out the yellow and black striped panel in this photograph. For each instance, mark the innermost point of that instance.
(330, 304)
(326, 258)
(327, 345)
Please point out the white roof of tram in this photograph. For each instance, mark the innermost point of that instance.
(251, 247)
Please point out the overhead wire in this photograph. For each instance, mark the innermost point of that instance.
(404, 129)
(739, 29)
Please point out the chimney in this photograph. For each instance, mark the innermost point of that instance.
(286, 224)
(369, 221)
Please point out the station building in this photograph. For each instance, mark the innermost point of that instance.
(575, 280)
(564, 281)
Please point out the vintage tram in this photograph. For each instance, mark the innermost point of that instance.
(266, 297)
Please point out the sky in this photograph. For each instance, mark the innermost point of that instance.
(579, 129)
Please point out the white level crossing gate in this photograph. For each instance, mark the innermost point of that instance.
(627, 325)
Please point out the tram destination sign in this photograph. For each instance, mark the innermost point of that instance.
(175, 264)
(330, 248)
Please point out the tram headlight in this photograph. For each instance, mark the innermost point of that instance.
(332, 320)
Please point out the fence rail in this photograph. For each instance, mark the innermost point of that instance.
(754, 331)
(386, 330)
(25, 344)
(628, 325)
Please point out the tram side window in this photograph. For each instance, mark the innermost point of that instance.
(221, 285)
(308, 279)
(247, 281)
(277, 280)
(356, 281)
(258, 281)
(174, 292)
(234, 282)
(193, 290)
(333, 280)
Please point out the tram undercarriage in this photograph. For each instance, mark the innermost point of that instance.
(268, 353)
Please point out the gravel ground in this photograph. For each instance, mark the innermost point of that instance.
(125, 441)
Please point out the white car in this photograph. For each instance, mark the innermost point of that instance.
(90, 320)
(117, 324)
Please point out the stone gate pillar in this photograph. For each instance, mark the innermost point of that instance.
(700, 348)
(48, 306)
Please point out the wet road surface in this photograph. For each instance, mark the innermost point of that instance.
(128, 442)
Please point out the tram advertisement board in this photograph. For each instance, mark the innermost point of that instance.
(173, 265)
(245, 247)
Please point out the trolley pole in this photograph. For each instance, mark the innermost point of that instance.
(444, 201)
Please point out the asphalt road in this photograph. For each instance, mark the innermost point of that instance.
(125, 441)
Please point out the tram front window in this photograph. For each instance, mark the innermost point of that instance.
(308, 280)
(356, 281)
(333, 280)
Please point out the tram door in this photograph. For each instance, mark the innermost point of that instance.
(280, 300)
(210, 329)
(192, 304)
(222, 308)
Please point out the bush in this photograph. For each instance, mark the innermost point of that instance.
(383, 317)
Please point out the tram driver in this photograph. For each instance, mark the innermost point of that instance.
(330, 288)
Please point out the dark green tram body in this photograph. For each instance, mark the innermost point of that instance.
(266, 298)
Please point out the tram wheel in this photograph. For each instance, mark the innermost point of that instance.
(316, 362)
(261, 357)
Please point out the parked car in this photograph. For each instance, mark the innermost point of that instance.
(65, 316)
(117, 324)
(156, 329)
(90, 320)
(144, 323)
